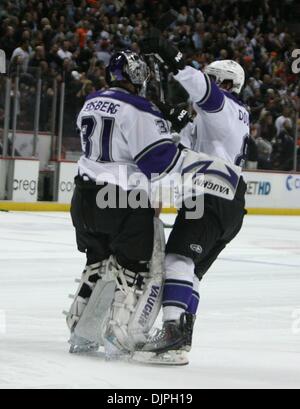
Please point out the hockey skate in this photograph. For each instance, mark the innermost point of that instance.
(82, 346)
(170, 345)
(174, 336)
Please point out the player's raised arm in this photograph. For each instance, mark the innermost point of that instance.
(202, 87)
(203, 92)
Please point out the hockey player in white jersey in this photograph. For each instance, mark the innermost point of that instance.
(221, 129)
(122, 135)
(125, 139)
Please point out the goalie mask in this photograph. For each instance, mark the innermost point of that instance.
(128, 66)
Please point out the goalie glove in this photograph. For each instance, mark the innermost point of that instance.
(166, 51)
(179, 117)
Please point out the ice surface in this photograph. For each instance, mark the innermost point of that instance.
(246, 335)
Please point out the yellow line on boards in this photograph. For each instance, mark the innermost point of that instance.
(34, 207)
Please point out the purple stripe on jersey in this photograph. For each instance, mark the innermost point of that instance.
(179, 293)
(215, 101)
(158, 159)
(235, 99)
(194, 304)
(138, 102)
(204, 168)
(107, 128)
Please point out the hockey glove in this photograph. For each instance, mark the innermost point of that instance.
(179, 117)
(167, 52)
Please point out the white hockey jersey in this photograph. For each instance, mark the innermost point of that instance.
(222, 126)
(123, 135)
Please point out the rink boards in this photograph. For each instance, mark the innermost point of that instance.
(268, 193)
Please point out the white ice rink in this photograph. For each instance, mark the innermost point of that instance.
(247, 335)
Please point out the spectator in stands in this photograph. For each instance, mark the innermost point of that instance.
(60, 37)
(64, 52)
(21, 55)
(261, 148)
(284, 148)
(284, 122)
(252, 160)
(7, 42)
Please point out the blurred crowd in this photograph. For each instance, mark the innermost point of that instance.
(72, 40)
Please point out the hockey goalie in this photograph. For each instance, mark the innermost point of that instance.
(119, 295)
(126, 138)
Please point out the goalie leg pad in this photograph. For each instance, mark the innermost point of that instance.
(92, 324)
(90, 277)
(90, 310)
(138, 301)
(146, 312)
(128, 289)
(149, 304)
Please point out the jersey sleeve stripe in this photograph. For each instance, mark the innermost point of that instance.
(152, 146)
(158, 160)
(208, 90)
(215, 101)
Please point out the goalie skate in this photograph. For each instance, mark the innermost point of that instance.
(82, 346)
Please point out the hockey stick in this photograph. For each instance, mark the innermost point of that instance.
(158, 78)
(2, 62)
(165, 21)
(161, 25)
